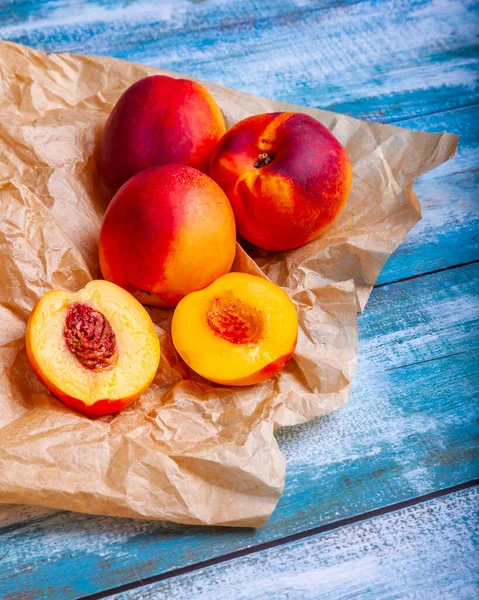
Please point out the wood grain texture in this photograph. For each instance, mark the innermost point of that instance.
(380, 59)
(447, 234)
(420, 320)
(428, 551)
(409, 429)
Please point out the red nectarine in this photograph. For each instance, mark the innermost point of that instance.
(240, 330)
(286, 176)
(159, 120)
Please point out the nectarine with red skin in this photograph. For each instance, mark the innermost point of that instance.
(287, 178)
(240, 330)
(167, 232)
(159, 120)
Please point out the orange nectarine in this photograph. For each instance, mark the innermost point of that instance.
(167, 232)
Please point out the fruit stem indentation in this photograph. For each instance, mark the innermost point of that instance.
(263, 160)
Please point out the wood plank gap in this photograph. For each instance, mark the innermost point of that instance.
(433, 272)
(394, 121)
(280, 541)
(428, 360)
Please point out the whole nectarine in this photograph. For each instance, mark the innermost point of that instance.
(167, 232)
(159, 120)
(287, 178)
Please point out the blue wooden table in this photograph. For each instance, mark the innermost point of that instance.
(380, 498)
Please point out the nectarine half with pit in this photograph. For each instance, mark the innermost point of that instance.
(240, 330)
(96, 349)
(287, 178)
(167, 232)
(159, 120)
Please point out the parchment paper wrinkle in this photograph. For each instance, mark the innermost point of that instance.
(187, 451)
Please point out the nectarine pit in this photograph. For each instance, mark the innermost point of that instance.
(263, 160)
(89, 337)
(233, 320)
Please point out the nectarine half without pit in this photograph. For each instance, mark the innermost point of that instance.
(159, 120)
(287, 178)
(240, 330)
(167, 232)
(96, 349)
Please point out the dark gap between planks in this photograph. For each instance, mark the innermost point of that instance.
(281, 541)
(433, 272)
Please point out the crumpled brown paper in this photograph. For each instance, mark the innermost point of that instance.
(187, 451)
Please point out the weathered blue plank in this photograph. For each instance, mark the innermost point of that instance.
(464, 122)
(428, 551)
(447, 234)
(409, 429)
(405, 325)
(170, 16)
(380, 60)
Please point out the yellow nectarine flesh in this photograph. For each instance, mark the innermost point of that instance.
(96, 350)
(240, 330)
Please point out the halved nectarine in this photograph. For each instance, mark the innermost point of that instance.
(96, 350)
(240, 330)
